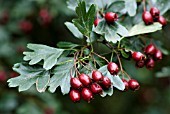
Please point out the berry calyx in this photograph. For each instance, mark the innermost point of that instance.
(96, 88)
(133, 85)
(111, 17)
(150, 49)
(85, 79)
(162, 20)
(113, 68)
(97, 21)
(97, 76)
(155, 13)
(87, 94)
(147, 17)
(138, 56)
(106, 83)
(158, 55)
(150, 63)
(75, 83)
(75, 95)
(126, 84)
(140, 64)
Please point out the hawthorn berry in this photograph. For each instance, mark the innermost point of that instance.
(75, 95)
(97, 21)
(138, 56)
(162, 20)
(97, 76)
(96, 88)
(158, 55)
(111, 17)
(140, 64)
(45, 17)
(85, 79)
(87, 94)
(155, 13)
(113, 68)
(26, 26)
(133, 85)
(126, 84)
(150, 49)
(150, 63)
(106, 83)
(75, 83)
(147, 17)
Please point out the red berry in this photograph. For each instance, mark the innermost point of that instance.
(3, 76)
(138, 56)
(97, 76)
(4, 17)
(75, 83)
(87, 94)
(113, 68)
(26, 26)
(133, 85)
(158, 55)
(106, 83)
(85, 79)
(96, 88)
(140, 64)
(150, 49)
(111, 17)
(45, 17)
(162, 20)
(155, 12)
(96, 22)
(126, 84)
(147, 18)
(75, 95)
(150, 63)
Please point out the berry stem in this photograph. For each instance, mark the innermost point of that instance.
(75, 59)
(144, 5)
(87, 64)
(120, 63)
(84, 65)
(150, 4)
(101, 57)
(127, 74)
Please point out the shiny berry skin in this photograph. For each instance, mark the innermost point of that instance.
(162, 20)
(137, 56)
(75, 83)
(111, 17)
(87, 94)
(96, 88)
(150, 63)
(158, 55)
(97, 21)
(113, 68)
(133, 85)
(150, 49)
(106, 83)
(75, 95)
(26, 26)
(97, 76)
(147, 17)
(126, 84)
(140, 64)
(155, 12)
(85, 79)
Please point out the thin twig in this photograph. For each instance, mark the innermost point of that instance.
(75, 59)
(127, 74)
(84, 65)
(87, 64)
(101, 57)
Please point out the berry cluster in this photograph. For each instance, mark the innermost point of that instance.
(88, 86)
(152, 54)
(110, 17)
(132, 84)
(153, 16)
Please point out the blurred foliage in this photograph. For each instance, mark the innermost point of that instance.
(152, 98)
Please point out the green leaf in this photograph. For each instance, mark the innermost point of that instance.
(61, 77)
(112, 32)
(85, 20)
(117, 6)
(131, 7)
(124, 54)
(165, 72)
(116, 81)
(141, 28)
(30, 75)
(67, 45)
(50, 55)
(74, 30)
